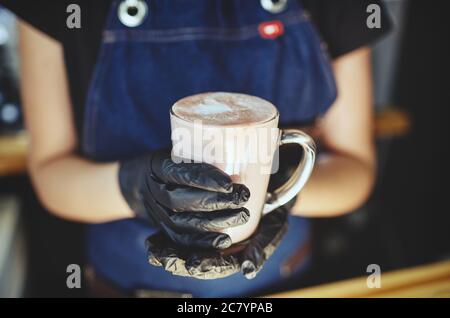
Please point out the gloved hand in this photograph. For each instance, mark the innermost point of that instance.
(248, 258)
(189, 202)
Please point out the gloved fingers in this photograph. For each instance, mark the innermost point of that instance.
(206, 240)
(157, 213)
(132, 177)
(252, 259)
(270, 248)
(211, 266)
(273, 227)
(162, 252)
(250, 270)
(264, 242)
(180, 199)
(201, 265)
(198, 175)
(212, 221)
(180, 236)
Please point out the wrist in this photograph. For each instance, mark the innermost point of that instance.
(131, 178)
(123, 204)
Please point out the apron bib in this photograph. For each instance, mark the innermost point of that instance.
(171, 49)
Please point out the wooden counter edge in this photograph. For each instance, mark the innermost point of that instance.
(393, 283)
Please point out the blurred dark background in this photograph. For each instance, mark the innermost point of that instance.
(407, 220)
(405, 223)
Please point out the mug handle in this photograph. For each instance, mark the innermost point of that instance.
(297, 181)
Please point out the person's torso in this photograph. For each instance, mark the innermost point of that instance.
(181, 48)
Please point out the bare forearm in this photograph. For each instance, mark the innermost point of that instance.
(76, 189)
(339, 184)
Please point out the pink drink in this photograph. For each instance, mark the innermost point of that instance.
(238, 133)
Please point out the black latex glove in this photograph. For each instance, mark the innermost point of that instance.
(248, 258)
(189, 202)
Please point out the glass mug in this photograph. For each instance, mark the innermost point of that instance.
(239, 134)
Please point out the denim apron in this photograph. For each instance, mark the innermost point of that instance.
(185, 47)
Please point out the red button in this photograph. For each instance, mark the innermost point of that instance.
(271, 29)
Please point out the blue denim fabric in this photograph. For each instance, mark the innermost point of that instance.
(185, 47)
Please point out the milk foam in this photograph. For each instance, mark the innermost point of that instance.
(224, 109)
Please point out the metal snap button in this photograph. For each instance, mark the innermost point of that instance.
(132, 12)
(274, 6)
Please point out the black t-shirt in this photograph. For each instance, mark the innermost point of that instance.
(341, 24)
